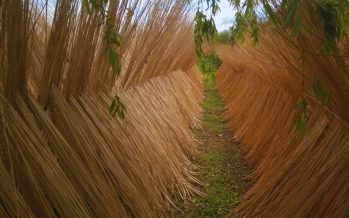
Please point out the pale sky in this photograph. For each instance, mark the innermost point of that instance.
(225, 18)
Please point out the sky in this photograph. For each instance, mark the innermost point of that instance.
(225, 18)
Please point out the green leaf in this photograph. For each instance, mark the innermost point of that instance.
(291, 12)
(301, 126)
(210, 63)
(321, 93)
(236, 3)
(113, 38)
(268, 9)
(94, 3)
(117, 108)
(86, 4)
(296, 29)
(302, 105)
(334, 18)
(301, 57)
(112, 108)
(114, 62)
(239, 28)
(204, 29)
(255, 34)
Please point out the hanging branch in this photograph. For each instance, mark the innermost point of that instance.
(113, 42)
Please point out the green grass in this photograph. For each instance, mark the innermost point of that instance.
(219, 198)
(217, 184)
(214, 122)
(213, 106)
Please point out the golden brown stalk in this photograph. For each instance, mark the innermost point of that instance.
(294, 176)
(61, 154)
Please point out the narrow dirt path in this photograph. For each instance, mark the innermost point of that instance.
(223, 172)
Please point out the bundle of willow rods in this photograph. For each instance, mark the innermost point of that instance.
(293, 176)
(61, 153)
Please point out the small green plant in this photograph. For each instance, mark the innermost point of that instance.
(210, 63)
(224, 37)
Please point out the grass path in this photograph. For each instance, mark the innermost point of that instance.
(222, 171)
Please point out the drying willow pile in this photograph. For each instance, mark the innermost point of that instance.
(61, 153)
(288, 103)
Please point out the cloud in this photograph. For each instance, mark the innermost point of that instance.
(225, 17)
(227, 20)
